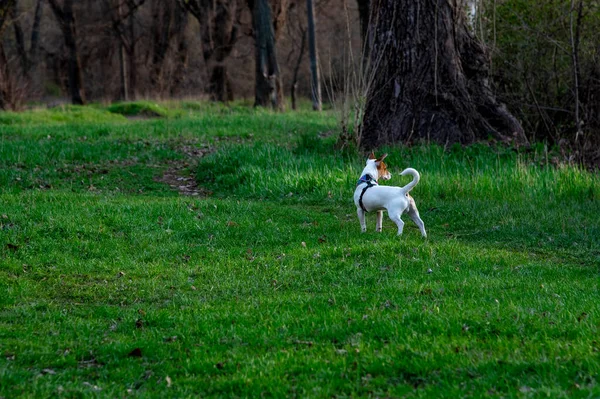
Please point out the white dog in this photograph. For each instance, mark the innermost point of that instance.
(369, 196)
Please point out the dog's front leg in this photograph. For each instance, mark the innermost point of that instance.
(361, 219)
(379, 226)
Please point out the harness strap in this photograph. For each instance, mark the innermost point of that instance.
(369, 181)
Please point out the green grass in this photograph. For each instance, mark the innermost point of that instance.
(267, 287)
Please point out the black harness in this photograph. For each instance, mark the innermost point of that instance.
(368, 179)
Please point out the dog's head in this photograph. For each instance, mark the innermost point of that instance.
(382, 171)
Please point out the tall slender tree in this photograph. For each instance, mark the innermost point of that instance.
(315, 80)
(431, 77)
(122, 14)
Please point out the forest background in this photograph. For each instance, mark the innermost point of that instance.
(544, 56)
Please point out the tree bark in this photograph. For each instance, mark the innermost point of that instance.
(66, 21)
(430, 78)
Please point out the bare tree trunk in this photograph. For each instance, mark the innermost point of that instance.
(430, 78)
(297, 69)
(363, 15)
(162, 21)
(575, 35)
(315, 86)
(66, 20)
(181, 19)
(268, 90)
(6, 9)
(28, 59)
(122, 61)
(131, 39)
(20, 39)
(34, 45)
(5, 80)
(219, 32)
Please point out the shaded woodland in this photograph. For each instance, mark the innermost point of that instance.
(399, 71)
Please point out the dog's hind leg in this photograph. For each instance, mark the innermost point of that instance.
(396, 219)
(361, 219)
(379, 226)
(413, 213)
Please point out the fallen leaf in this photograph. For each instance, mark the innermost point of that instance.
(303, 244)
(231, 223)
(322, 239)
(169, 382)
(48, 371)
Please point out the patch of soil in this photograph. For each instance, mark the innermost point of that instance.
(180, 175)
(175, 177)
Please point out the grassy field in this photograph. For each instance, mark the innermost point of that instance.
(112, 284)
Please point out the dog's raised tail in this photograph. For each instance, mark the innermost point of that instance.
(415, 180)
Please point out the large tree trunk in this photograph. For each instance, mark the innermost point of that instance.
(269, 89)
(430, 78)
(66, 20)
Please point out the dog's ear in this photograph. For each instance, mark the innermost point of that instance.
(378, 160)
(372, 155)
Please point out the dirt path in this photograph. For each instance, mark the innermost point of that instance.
(180, 175)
